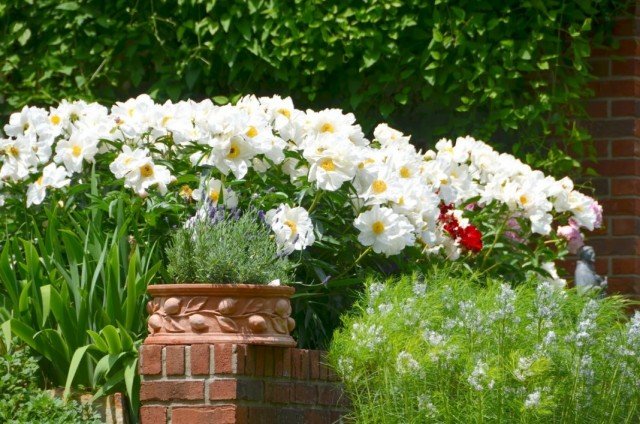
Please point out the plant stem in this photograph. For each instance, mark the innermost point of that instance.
(356, 262)
(316, 199)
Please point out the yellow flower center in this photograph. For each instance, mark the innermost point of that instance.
(165, 120)
(130, 112)
(76, 150)
(234, 151)
(146, 170)
(13, 151)
(25, 127)
(55, 119)
(327, 127)
(444, 181)
(39, 181)
(214, 196)
(186, 191)
(401, 201)
(523, 199)
(292, 225)
(405, 172)
(378, 186)
(252, 132)
(377, 227)
(285, 112)
(327, 165)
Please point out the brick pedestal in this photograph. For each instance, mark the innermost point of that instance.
(225, 383)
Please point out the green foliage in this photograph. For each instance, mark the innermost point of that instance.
(514, 70)
(56, 299)
(22, 401)
(452, 349)
(228, 249)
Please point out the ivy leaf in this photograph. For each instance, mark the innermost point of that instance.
(24, 37)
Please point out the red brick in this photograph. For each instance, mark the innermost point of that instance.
(268, 362)
(260, 353)
(625, 148)
(223, 358)
(629, 265)
(278, 361)
(241, 355)
(174, 357)
(600, 68)
(626, 226)
(223, 389)
(242, 415)
(314, 364)
(200, 355)
(223, 414)
(625, 68)
(250, 360)
(304, 364)
(618, 167)
(625, 186)
(290, 415)
(324, 367)
(329, 394)
(612, 128)
(624, 285)
(597, 108)
(317, 416)
(602, 150)
(151, 359)
(262, 415)
(625, 27)
(615, 246)
(277, 392)
(621, 206)
(172, 390)
(623, 108)
(295, 363)
(153, 414)
(250, 390)
(626, 47)
(286, 363)
(336, 416)
(305, 393)
(617, 88)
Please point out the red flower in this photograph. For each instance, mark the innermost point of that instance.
(469, 237)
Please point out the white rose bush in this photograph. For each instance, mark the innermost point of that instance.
(337, 202)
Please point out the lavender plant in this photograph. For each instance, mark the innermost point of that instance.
(447, 350)
(226, 246)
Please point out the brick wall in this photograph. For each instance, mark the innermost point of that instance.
(616, 129)
(225, 383)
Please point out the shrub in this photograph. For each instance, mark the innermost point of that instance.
(226, 247)
(490, 68)
(449, 350)
(21, 401)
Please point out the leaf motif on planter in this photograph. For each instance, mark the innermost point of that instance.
(280, 325)
(172, 325)
(227, 325)
(254, 305)
(195, 304)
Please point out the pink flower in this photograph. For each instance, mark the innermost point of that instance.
(572, 234)
(597, 210)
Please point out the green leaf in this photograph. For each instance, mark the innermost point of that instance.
(73, 368)
(111, 336)
(24, 37)
(69, 6)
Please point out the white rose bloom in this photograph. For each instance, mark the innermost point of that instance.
(19, 157)
(388, 136)
(386, 231)
(81, 146)
(139, 171)
(292, 226)
(26, 121)
(330, 165)
(52, 176)
(237, 153)
(334, 124)
(383, 186)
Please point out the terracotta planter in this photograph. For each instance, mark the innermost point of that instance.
(220, 313)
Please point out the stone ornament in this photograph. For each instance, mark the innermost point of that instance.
(220, 313)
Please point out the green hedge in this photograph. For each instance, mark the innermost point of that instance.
(509, 70)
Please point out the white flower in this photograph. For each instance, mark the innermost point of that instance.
(81, 146)
(212, 192)
(533, 400)
(19, 157)
(330, 165)
(292, 226)
(386, 231)
(52, 176)
(140, 172)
